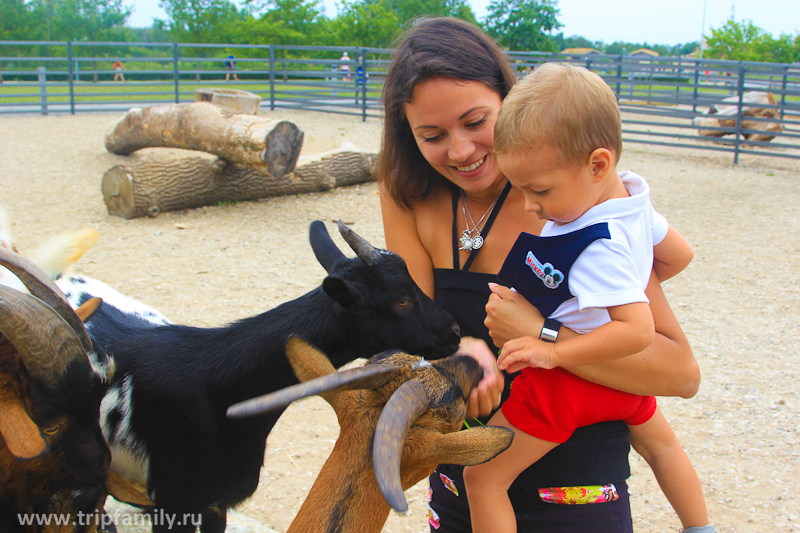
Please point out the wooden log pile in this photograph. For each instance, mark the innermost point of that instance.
(255, 158)
(724, 116)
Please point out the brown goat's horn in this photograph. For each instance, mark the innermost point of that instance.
(363, 249)
(364, 377)
(401, 411)
(44, 340)
(43, 288)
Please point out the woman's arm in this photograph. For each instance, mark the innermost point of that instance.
(671, 255)
(666, 368)
(402, 238)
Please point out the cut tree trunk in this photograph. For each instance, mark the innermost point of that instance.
(147, 188)
(724, 116)
(234, 100)
(257, 142)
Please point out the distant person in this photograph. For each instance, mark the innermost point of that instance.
(345, 68)
(118, 68)
(231, 65)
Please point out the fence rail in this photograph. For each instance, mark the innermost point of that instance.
(660, 98)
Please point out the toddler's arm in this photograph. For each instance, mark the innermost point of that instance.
(630, 331)
(671, 255)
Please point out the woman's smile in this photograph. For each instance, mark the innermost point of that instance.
(453, 125)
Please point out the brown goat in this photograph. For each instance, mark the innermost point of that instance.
(53, 457)
(398, 412)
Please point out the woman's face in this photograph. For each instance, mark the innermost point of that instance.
(453, 124)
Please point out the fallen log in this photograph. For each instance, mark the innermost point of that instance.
(247, 140)
(724, 116)
(147, 187)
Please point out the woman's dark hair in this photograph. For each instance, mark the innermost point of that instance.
(430, 48)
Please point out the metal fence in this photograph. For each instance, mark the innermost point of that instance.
(662, 99)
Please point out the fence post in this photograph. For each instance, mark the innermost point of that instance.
(697, 66)
(739, 115)
(43, 88)
(175, 72)
(783, 90)
(678, 83)
(619, 75)
(69, 79)
(272, 77)
(363, 81)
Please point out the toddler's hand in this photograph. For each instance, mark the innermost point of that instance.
(527, 352)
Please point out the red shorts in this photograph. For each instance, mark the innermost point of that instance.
(552, 404)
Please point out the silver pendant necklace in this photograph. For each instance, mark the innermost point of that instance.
(471, 238)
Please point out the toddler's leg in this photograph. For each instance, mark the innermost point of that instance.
(656, 442)
(487, 484)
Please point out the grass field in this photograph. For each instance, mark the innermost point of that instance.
(156, 91)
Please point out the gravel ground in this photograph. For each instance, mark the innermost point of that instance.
(739, 301)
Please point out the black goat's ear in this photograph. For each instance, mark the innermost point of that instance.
(340, 291)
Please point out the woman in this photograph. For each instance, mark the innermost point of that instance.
(449, 212)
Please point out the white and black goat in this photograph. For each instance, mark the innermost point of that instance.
(165, 412)
(399, 416)
(53, 458)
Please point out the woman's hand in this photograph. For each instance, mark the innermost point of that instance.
(510, 316)
(484, 398)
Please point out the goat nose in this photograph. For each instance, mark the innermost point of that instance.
(456, 329)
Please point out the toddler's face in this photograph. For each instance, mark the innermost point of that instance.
(552, 190)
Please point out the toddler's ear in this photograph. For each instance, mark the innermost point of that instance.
(601, 160)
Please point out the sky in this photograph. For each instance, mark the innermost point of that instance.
(637, 21)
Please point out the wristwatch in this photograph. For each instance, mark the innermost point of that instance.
(550, 330)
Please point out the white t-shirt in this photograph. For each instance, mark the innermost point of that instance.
(613, 271)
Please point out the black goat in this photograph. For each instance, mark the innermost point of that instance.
(53, 458)
(165, 412)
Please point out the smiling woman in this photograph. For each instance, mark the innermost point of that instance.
(442, 96)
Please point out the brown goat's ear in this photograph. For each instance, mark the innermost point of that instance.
(124, 492)
(87, 308)
(471, 446)
(307, 362)
(21, 434)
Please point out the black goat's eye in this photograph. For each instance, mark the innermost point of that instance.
(402, 302)
(51, 430)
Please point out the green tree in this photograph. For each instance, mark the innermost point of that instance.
(366, 23)
(576, 41)
(201, 21)
(75, 20)
(287, 22)
(15, 20)
(523, 24)
(744, 41)
(409, 9)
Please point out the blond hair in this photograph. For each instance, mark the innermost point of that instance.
(564, 106)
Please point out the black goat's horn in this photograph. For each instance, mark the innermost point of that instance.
(43, 288)
(401, 411)
(363, 249)
(46, 343)
(325, 250)
(364, 377)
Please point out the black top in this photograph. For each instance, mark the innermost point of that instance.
(594, 455)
